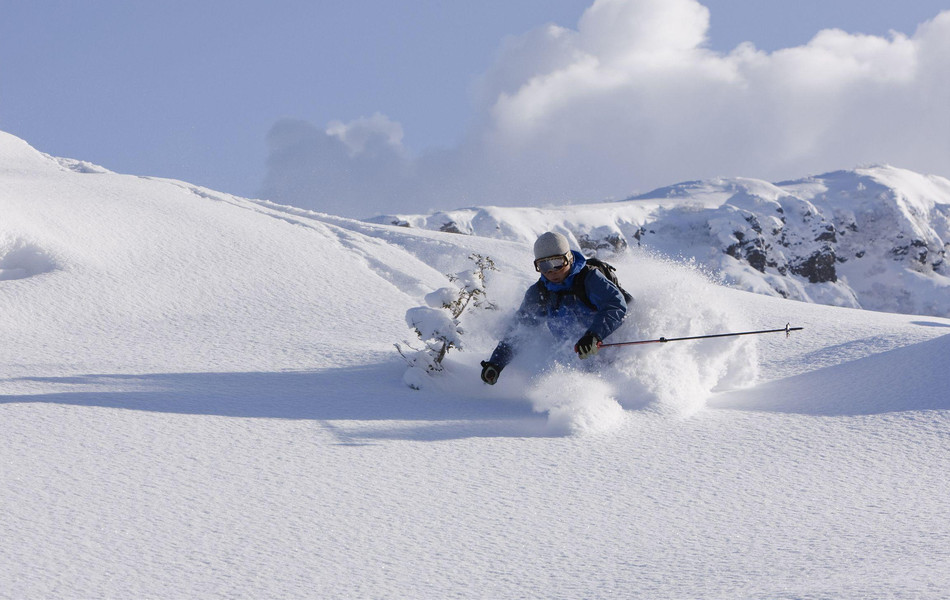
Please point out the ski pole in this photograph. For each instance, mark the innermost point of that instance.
(787, 329)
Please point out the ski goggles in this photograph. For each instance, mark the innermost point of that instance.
(551, 263)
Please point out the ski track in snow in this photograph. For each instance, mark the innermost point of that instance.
(199, 398)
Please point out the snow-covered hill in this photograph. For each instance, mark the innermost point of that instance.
(874, 238)
(199, 397)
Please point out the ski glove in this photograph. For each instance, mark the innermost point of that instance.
(490, 372)
(587, 345)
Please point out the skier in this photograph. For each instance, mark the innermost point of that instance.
(571, 296)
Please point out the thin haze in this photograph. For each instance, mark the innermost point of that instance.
(375, 109)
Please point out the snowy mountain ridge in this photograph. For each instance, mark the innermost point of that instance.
(874, 238)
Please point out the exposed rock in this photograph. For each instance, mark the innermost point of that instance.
(611, 243)
(450, 227)
(817, 268)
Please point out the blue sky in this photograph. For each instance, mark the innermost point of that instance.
(211, 92)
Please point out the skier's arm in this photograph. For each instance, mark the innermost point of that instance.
(527, 315)
(610, 303)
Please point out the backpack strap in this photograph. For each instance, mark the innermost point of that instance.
(579, 289)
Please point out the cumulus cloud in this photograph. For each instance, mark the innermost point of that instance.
(633, 99)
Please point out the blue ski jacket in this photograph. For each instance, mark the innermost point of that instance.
(565, 314)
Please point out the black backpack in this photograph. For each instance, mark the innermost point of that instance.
(580, 291)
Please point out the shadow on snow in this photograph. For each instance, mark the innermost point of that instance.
(356, 404)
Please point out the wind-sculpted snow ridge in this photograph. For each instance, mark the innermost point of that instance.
(140, 275)
(861, 387)
(873, 238)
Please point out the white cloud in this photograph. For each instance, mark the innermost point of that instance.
(633, 99)
(367, 134)
(621, 31)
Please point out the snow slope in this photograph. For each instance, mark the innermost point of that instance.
(199, 397)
